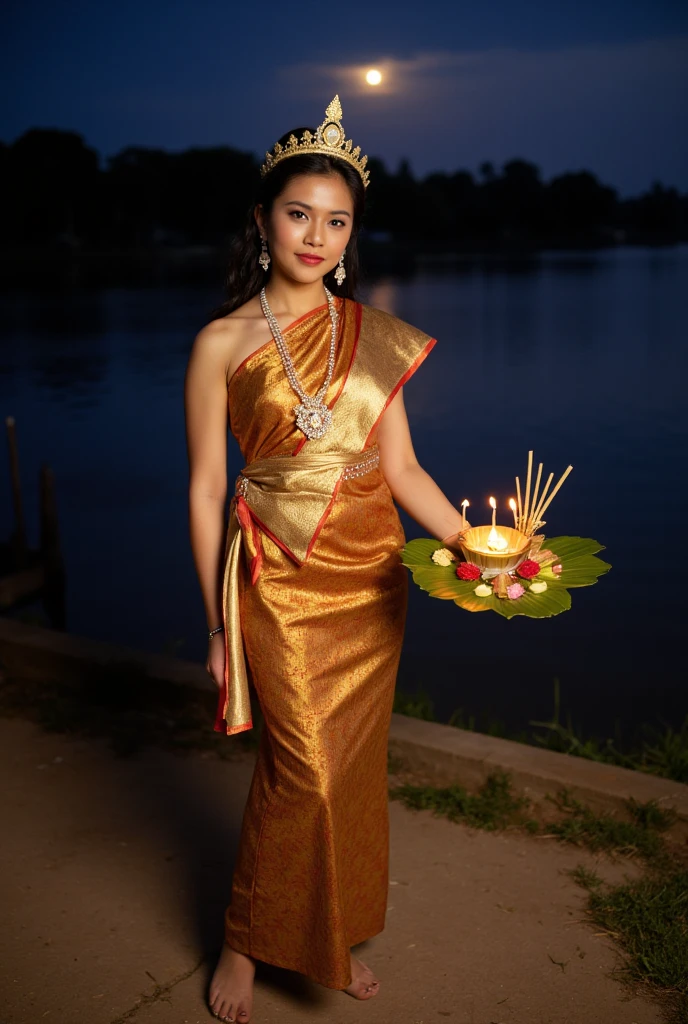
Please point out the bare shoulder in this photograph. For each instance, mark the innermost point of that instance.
(225, 330)
(227, 340)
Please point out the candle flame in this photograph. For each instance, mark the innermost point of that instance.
(493, 503)
(496, 542)
(512, 504)
(465, 503)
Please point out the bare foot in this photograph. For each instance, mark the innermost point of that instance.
(364, 984)
(231, 990)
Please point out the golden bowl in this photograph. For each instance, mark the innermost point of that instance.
(474, 548)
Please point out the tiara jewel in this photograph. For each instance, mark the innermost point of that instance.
(328, 139)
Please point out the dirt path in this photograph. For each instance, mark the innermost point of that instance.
(116, 873)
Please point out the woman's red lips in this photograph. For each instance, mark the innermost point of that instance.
(309, 259)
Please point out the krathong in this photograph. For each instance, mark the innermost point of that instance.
(510, 570)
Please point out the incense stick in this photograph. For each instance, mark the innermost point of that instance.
(518, 502)
(549, 501)
(526, 505)
(536, 514)
(529, 524)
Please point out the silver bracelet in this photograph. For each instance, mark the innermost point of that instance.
(212, 632)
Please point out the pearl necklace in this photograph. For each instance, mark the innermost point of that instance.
(312, 416)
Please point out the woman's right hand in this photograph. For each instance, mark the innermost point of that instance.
(215, 665)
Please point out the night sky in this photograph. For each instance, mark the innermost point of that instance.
(592, 84)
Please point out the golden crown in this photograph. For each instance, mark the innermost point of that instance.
(328, 139)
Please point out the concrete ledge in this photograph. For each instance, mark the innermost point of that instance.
(440, 753)
(32, 652)
(445, 754)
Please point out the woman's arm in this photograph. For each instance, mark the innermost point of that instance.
(205, 403)
(412, 488)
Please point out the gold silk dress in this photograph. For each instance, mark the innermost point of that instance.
(314, 604)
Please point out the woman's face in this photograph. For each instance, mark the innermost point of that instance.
(309, 226)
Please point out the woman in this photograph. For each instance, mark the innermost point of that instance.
(306, 595)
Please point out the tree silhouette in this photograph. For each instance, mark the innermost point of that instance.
(577, 204)
(55, 192)
(487, 171)
(658, 217)
(53, 180)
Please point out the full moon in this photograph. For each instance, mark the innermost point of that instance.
(373, 77)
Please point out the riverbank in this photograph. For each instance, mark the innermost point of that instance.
(118, 870)
(437, 753)
(116, 777)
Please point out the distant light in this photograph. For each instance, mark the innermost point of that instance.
(373, 77)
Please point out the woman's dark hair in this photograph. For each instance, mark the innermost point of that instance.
(245, 277)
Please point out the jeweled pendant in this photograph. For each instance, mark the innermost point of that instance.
(313, 419)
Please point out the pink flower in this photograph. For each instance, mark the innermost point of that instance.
(515, 590)
(556, 569)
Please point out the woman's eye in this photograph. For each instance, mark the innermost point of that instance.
(297, 213)
(337, 223)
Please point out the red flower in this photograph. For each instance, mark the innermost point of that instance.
(468, 571)
(528, 569)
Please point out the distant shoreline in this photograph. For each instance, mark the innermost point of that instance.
(70, 264)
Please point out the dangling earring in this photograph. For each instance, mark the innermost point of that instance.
(264, 258)
(340, 272)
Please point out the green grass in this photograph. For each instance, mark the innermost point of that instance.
(418, 705)
(494, 806)
(658, 751)
(648, 919)
(640, 833)
(662, 752)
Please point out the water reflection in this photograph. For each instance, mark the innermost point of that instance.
(580, 357)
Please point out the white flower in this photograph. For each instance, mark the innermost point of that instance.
(443, 556)
(482, 590)
(538, 588)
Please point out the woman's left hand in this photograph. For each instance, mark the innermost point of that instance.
(215, 665)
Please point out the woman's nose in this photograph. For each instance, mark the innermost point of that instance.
(314, 234)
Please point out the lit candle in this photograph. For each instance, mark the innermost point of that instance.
(512, 506)
(496, 541)
(464, 505)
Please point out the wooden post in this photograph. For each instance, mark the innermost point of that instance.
(18, 540)
(54, 590)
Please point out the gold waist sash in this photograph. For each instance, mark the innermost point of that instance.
(288, 498)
